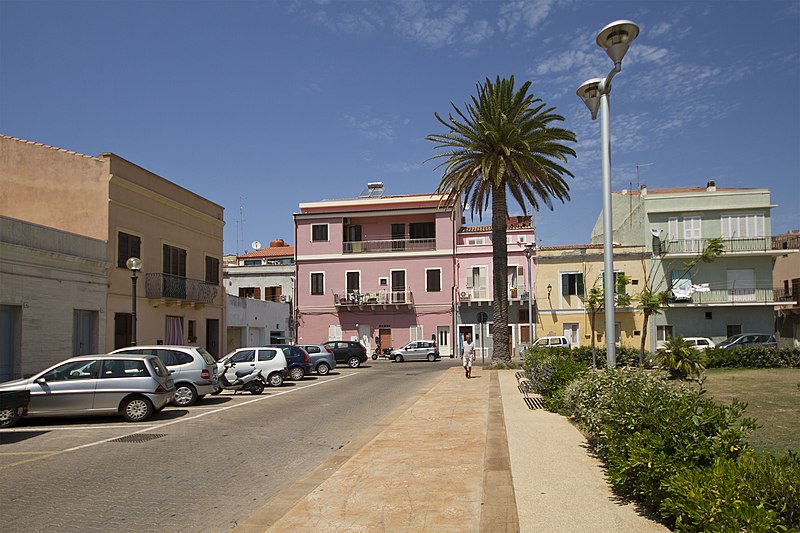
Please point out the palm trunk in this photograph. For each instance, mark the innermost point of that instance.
(644, 340)
(500, 348)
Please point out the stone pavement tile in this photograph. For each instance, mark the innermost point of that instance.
(559, 485)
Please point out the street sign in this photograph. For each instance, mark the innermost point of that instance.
(483, 317)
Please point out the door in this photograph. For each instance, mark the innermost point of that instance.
(741, 285)
(84, 332)
(10, 341)
(571, 333)
(212, 336)
(66, 388)
(385, 335)
(692, 234)
(398, 236)
(364, 332)
(443, 340)
(398, 281)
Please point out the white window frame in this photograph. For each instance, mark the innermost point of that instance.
(311, 283)
(335, 332)
(470, 282)
(475, 241)
(327, 232)
(661, 329)
(426, 279)
(415, 333)
(752, 223)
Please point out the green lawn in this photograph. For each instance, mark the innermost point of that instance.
(773, 399)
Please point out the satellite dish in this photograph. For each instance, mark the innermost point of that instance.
(256, 245)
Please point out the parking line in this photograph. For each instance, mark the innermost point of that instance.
(177, 421)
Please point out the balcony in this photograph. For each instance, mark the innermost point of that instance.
(388, 246)
(764, 296)
(695, 246)
(177, 288)
(347, 299)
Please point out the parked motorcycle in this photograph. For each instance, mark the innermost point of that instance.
(246, 380)
(386, 352)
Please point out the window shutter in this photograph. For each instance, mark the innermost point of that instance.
(258, 293)
(469, 279)
(579, 279)
(564, 284)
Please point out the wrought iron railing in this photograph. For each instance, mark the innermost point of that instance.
(171, 287)
(695, 246)
(384, 297)
(388, 245)
(782, 242)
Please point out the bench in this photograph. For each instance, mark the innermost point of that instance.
(533, 381)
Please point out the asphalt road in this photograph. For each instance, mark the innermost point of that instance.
(199, 469)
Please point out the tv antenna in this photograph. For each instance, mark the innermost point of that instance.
(638, 165)
(240, 223)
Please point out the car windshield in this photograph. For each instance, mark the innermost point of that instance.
(730, 339)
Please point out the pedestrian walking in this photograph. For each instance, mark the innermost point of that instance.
(467, 355)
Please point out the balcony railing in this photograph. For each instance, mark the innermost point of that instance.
(737, 296)
(357, 298)
(784, 242)
(388, 245)
(695, 246)
(169, 287)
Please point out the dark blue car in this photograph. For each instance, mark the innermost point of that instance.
(297, 360)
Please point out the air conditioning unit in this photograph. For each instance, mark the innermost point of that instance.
(464, 295)
(286, 298)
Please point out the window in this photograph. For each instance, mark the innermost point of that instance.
(123, 369)
(174, 261)
(253, 262)
(733, 329)
(383, 281)
(245, 356)
(267, 355)
(353, 282)
(477, 281)
(572, 284)
(511, 239)
(664, 333)
(319, 232)
(692, 233)
(272, 294)
(335, 332)
(127, 246)
(250, 292)
(742, 226)
(192, 331)
(212, 270)
(317, 283)
(353, 233)
(475, 241)
(415, 333)
(672, 228)
(422, 230)
(433, 279)
(72, 370)
(398, 236)
(398, 286)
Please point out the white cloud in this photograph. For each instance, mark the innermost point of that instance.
(478, 32)
(371, 128)
(434, 25)
(528, 12)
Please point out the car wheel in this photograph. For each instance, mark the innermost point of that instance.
(354, 362)
(323, 369)
(374, 356)
(431, 357)
(296, 373)
(255, 387)
(8, 418)
(275, 379)
(136, 409)
(185, 395)
(398, 358)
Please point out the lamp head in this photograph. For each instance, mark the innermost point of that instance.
(589, 91)
(616, 38)
(134, 263)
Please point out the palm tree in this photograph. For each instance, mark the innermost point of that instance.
(504, 142)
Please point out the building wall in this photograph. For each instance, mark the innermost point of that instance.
(253, 322)
(45, 276)
(54, 188)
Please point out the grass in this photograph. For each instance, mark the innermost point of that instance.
(773, 399)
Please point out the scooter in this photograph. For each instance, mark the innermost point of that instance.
(252, 382)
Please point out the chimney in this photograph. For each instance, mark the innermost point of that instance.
(711, 186)
(643, 190)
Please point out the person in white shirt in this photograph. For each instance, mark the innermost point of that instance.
(467, 355)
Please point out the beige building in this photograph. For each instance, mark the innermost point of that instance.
(564, 277)
(176, 233)
(786, 276)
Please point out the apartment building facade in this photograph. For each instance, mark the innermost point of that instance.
(734, 293)
(787, 280)
(378, 269)
(176, 233)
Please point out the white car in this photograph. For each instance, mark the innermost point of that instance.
(270, 361)
(699, 343)
(557, 341)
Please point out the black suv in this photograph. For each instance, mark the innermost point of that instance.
(297, 360)
(351, 352)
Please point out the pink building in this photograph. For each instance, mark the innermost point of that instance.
(376, 268)
(474, 280)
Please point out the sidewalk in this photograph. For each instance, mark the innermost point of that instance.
(463, 456)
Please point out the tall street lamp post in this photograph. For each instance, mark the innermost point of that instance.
(134, 264)
(529, 251)
(615, 40)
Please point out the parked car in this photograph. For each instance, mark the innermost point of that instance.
(297, 360)
(131, 385)
(193, 369)
(699, 343)
(13, 406)
(748, 339)
(557, 341)
(351, 353)
(269, 360)
(322, 358)
(416, 350)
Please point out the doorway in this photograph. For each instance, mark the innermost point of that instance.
(212, 337)
(10, 341)
(443, 340)
(571, 333)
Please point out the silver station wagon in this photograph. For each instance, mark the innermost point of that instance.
(133, 386)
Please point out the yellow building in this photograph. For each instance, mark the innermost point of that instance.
(564, 277)
(176, 233)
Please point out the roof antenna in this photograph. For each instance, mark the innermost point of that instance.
(240, 223)
(638, 184)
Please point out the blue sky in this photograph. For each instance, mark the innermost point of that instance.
(260, 106)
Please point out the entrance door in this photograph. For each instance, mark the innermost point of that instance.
(691, 234)
(10, 341)
(443, 340)
(84, 332)
(212, 336)
(571, 333)
(398, 286)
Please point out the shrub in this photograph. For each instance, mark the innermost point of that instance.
(647, 430)
(564, 368)
(754, 493)
(753, 357)
(680, 359)
(625, 356)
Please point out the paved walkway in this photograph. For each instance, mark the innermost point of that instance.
(462, 456)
